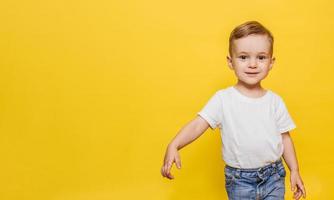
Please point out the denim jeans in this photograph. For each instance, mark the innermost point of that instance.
(263, 183)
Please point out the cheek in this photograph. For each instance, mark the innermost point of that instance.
(266, 68)
(265, 71)
(240, 72)
(239, 65)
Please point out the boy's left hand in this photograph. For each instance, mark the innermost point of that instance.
(297, 183)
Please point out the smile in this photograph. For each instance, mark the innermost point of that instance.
(251, 73)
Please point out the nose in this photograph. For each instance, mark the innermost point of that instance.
(252, 63)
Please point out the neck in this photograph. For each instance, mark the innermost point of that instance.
(245, 86)
(250, 90)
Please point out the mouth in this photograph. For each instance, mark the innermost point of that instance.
(251, 73)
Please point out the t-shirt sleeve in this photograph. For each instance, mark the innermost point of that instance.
(284, 121)
(212, 111)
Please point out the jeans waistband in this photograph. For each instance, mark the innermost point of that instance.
(273, 164)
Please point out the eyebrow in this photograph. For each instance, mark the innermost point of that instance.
(247, 52)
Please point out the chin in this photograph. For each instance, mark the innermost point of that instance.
(251, 82)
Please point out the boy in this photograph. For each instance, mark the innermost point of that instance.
(254, 124)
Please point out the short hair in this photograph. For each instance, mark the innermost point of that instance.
(248, 28)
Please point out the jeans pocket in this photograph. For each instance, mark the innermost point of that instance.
(281, 172)
(228, 179)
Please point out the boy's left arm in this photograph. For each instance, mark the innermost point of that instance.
(289, 156)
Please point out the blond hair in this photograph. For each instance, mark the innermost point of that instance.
(248, 28)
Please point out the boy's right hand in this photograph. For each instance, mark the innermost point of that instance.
(171, 156)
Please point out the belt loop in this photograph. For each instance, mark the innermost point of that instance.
(278, 162)
(275, 166)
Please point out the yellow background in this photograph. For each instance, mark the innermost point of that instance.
(93, 91)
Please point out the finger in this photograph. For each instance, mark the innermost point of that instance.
(178, 162)
(304, 194)
(297, 192)
(169, 166)
(301, 186)
(164, 170)
(296, 195)
(170, 176)
(299, 195)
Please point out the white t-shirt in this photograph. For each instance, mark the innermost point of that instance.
(250, 127)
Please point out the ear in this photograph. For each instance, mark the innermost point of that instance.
(229, 62)
(272, 62)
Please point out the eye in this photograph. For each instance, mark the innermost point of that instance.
(243, 57)
(262, 57)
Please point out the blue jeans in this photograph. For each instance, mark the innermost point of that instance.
(264, 183)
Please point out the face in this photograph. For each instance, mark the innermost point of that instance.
(251, 59)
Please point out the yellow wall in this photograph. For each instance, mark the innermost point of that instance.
(93, 91)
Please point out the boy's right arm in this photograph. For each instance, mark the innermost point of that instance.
(188, 133)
